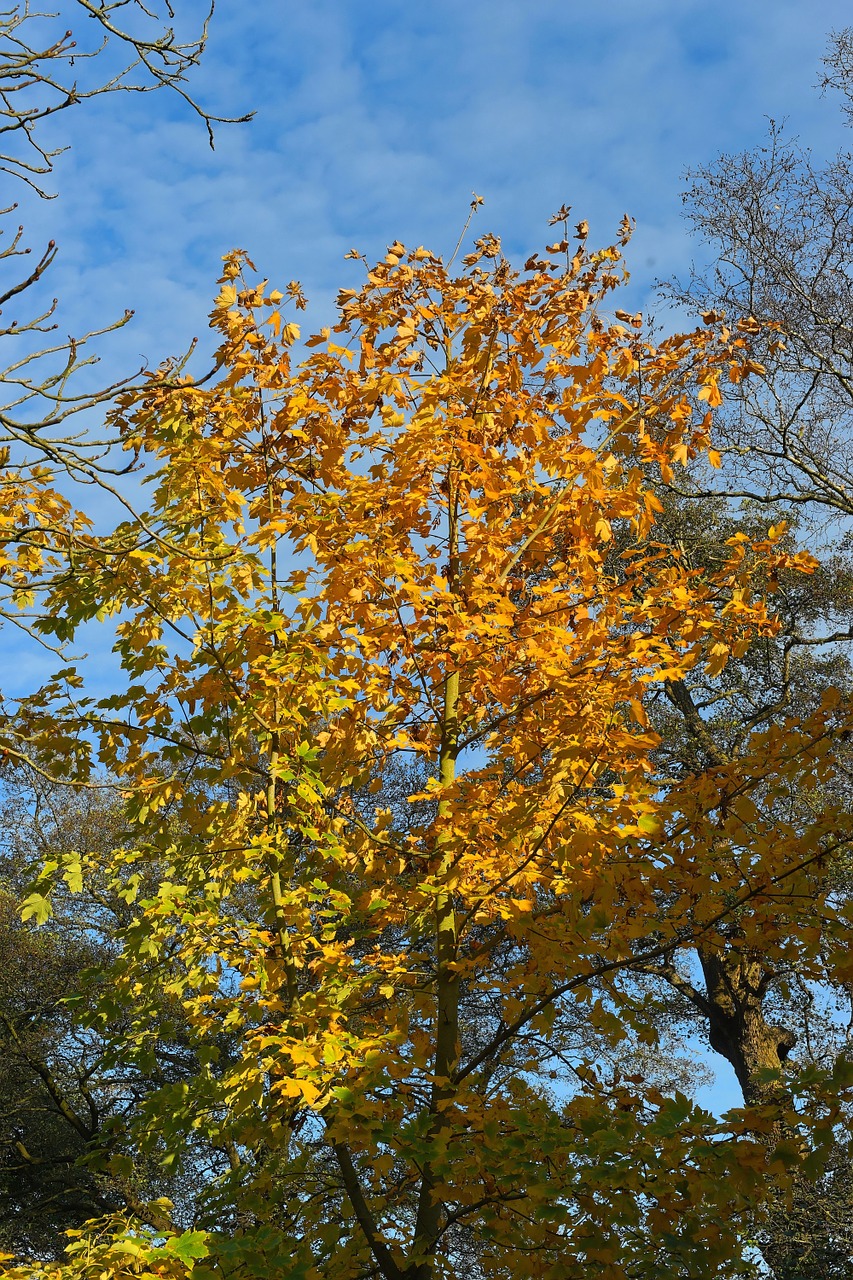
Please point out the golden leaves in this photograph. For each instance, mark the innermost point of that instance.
(710, 391)
(391, 632)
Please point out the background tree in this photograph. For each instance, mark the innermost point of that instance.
(67, 1104)
(49, 64)
(778, 226)
(46, 70)
(58, 1094)
(759, 1014)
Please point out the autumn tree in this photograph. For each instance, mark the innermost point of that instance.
(763, 1017)
(399, 546)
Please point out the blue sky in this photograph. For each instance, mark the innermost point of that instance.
(376, 120)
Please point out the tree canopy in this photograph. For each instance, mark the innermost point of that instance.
(403, 855)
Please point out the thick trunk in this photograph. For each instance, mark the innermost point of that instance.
(735, 986)
(735, 991)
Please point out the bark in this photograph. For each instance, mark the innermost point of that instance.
(735, 985)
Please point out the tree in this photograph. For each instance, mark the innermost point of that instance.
(129, 47)
(45, 71)
(778, 224)
(757, 1013)
(402, 548)
(65, 1105)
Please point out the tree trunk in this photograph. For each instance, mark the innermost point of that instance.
(735, 985)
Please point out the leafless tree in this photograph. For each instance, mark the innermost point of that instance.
(49, 64)
(779, 225)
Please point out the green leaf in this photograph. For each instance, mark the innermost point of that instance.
(190, 1245)
(36, 907)
(73, 874)
(650, 824)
